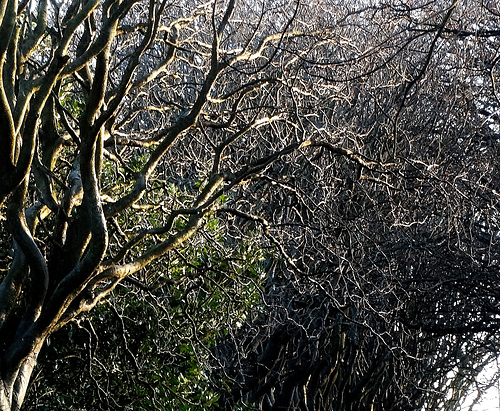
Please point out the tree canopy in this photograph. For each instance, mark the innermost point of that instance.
(248, 204)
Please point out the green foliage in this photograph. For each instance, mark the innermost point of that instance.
(71, 101)
(150, 349)
(137, 162)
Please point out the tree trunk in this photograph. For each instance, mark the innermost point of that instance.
(14, 383)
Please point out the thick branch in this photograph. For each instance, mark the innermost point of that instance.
(39, 274)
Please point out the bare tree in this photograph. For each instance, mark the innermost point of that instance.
(390, 221)
(355, 141)
(117, 121)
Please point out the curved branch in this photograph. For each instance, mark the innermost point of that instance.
(39, 274)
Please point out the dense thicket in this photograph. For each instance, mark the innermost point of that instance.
(262, 204)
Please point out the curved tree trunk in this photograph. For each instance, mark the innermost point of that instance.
(16, 378)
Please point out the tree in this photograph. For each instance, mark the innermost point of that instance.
(127, 126)
(389, 302)
(148, 346)
(103, 108)
(353, 143)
